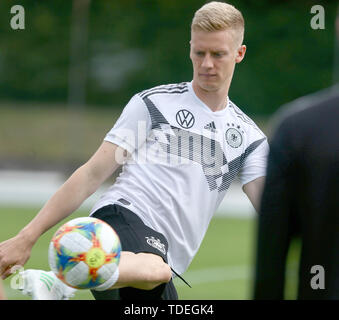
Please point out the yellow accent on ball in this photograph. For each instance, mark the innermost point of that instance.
(95, 258)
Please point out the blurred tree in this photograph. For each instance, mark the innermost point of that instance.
(137, 44)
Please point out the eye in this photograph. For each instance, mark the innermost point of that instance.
(218, 54)
(199, 53)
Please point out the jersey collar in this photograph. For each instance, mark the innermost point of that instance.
(204, 106)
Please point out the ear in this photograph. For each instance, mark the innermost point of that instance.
(240, 53)
(191, 49)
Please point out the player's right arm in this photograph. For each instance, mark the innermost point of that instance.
(82, 183)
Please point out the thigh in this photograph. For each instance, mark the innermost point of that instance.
(135, 237)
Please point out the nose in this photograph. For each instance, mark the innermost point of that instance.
(207, 62)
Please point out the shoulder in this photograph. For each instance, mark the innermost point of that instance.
(306, 107)
(166, 89)
(247, 122)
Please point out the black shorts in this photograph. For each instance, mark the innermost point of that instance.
(136, 237)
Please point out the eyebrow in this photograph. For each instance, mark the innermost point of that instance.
(197, 48)
(212, 51)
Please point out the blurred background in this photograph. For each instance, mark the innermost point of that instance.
(65, 78)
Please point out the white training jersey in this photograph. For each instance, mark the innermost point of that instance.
(183, 159)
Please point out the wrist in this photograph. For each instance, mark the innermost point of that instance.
(29, 236)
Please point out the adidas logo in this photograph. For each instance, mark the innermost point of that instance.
(211, 126)
(47, 280)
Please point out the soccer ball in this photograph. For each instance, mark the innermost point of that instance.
(84, 252)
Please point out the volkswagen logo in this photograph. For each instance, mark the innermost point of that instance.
(185, 119)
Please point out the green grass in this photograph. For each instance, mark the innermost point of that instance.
(221, 270)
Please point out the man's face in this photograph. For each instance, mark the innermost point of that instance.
(214, 55)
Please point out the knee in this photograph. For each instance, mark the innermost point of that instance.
(159, 273)
(142, 271)
(164, 273)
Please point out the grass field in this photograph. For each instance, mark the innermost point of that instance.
(221, 270)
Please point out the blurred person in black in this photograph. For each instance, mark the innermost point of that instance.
(301, 199)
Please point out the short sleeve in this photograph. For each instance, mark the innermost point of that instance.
(255, 164)
(133, 126)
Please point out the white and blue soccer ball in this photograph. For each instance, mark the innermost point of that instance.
(84, 252)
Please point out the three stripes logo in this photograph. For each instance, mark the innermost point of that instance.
(185, 119)
(47, 280)
(211, 126)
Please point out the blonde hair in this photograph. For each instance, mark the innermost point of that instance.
(217, 16)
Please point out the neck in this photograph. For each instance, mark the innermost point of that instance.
(215, 100)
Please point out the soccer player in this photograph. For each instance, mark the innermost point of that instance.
(181, 146)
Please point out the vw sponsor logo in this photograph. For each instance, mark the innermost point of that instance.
(185, 119)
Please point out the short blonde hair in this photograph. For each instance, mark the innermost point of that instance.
(217, 16)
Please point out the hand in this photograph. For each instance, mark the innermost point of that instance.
(15, 251)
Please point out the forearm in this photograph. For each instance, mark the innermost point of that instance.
(66, 200)
(254, 190)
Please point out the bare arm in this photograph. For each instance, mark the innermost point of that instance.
(82, 183)
(253, 190)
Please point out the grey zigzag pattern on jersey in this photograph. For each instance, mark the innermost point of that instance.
(235, 165)
(168, 88)
(243, 116)
(198, 148)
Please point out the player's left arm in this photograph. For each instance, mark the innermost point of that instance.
(253, 190)
(253, 172)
